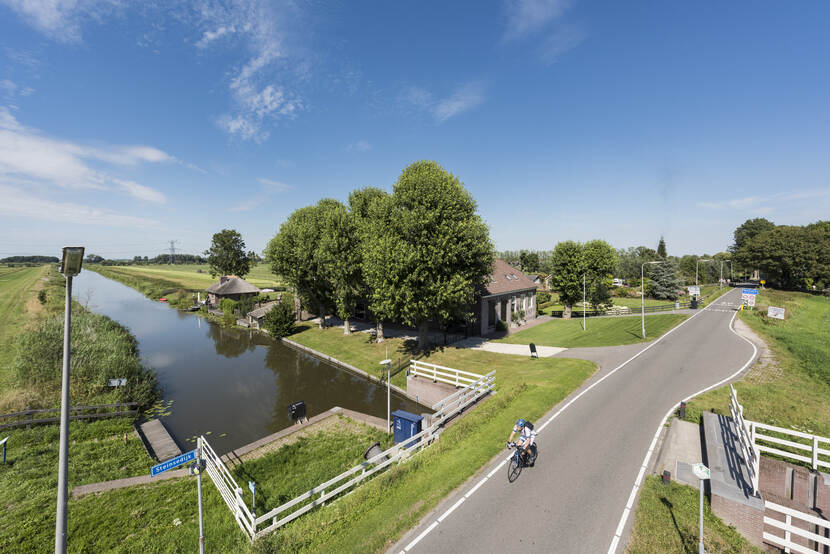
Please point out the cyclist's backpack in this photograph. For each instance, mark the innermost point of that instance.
(529, 425)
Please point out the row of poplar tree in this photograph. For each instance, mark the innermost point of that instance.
(414, 256)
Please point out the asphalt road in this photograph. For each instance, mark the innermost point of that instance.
(591, 453)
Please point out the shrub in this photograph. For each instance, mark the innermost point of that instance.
(279, 320)
(227, 306)
(501, 326)
(521, 314)
(542, 296)
(41, 296)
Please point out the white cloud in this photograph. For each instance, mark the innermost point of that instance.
(268, 188)
(359, 146)
(141, 192)
(27, 154)
(525, 17)
(210, 36)
(559, 41)
(464, 99)
(10, 89)
(62, 19)
(766, 204)
(18, 203)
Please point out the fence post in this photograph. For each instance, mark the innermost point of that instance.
(815, 452)
(787, 535)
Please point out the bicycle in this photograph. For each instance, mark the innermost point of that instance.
(519, 460)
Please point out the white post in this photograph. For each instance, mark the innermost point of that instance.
(700, 544)
(199, 487)
(63, 463)
(584, 305)
(388, 398)
(643, 299)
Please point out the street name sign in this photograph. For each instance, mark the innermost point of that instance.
(694, 291)
(749, 291)
(700, 471)
(777, 313)
(172, 462)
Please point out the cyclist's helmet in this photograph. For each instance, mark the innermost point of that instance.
(520, 423)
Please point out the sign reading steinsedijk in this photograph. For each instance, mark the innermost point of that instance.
(172, 462)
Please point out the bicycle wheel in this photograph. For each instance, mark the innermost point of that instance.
(514, 468)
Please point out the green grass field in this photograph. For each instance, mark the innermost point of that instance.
(16, 286)
(667, 521)
(792, 390)
(142, 518)
(601, 331)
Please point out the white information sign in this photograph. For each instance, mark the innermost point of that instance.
(700, 471)
(777, 313)
(694, 290)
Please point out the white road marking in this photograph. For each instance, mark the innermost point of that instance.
(624, 517)
(554, 416)
(454, 506)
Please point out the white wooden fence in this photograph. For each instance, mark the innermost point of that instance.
(443, 374)
(790, 529)
(754, 442)
(748, 449)
(324, 492)
(226, 485)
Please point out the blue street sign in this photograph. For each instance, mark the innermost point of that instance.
(172, 462)
(749, 291)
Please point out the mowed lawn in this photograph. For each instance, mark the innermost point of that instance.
(193, 276)
(16, 286)
(601, 331)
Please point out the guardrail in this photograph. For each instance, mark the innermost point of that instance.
(26, 413)
(748, 449)
(786, 542)
(443, 374)
(274, 519)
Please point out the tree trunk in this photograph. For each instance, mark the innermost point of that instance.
(566, 313)
(379, 335)
(423, 327)
(322, 318)
(298, 308)
(347, 329)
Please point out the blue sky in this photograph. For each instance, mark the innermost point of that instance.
(126, 125)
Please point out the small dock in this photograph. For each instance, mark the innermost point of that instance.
(161, 444)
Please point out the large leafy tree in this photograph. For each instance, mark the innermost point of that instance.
(292, 254)
(227, 256)
(567, 270)
(629, 261)
(750, 229)
(529, 261)
(599, 262)
(791, 257)
(338, 254)
(429, 252)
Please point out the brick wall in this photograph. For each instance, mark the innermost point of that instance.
(747, 520)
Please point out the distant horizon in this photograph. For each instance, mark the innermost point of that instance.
(123, 126)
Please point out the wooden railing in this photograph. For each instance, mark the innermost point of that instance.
(791, 530)
(28, 420)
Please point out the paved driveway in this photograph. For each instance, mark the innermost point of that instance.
(590, 453)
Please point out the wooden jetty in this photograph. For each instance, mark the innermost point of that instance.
(160, 442)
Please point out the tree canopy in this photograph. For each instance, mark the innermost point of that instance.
(227, 256)
(661, 248)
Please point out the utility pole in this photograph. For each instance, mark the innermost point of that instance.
(172, 250)
(584, 305)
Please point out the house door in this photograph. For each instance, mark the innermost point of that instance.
(491, 314)
(504, 304)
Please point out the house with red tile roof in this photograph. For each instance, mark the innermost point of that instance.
(507, 291)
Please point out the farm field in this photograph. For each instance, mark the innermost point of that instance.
(193, 276)
(16, 291)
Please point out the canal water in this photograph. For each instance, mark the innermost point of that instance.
(234, 384)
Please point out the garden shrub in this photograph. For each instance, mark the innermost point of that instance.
(279, 320)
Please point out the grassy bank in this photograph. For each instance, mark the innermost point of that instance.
(143, 518)
(157, 281)
(17, 300)
(667, 521)
(790, 388)
(601, 331)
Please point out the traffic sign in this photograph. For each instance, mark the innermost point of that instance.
(172, 462)
(749, 291)
(700, 471)
(694, 290)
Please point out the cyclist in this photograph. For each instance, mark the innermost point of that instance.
(526, 438)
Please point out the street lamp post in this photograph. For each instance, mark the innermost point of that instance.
(388, 363)
(643, 293)
(584, 305)
(698, 263)
(73, 259)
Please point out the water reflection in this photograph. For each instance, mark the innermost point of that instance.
(234, 383)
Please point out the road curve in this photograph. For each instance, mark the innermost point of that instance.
(591, 452)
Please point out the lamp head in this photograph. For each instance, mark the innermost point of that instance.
(73, 259)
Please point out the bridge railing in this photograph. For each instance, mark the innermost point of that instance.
(795, 523)
(443, 374)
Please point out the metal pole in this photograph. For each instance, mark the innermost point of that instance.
(199, 487)
(700, 544)
(721, 274)
(584, 305)
(388, 397)
(643, 299)
(63, 463)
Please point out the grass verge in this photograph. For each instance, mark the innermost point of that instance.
(667, 521)
(602, 331)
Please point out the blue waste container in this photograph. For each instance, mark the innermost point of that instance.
(405, 425)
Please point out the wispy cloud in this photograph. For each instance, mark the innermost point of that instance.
(359, 146)
(9, 89)
(62, 19)
(268, 188)
(525, 17)
(766, 204)
(465, 98)
(26, 153)
(19, 203)
(210, 36)
(559, 41)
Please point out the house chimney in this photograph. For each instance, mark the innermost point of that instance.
(223, 279)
